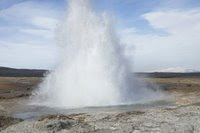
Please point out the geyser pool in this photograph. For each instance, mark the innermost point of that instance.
(93, 70)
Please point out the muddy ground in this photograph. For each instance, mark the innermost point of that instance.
(182, 115)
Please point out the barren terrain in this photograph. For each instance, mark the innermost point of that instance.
(180, 114)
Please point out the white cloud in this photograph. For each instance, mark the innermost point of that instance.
(180, 47)
(39, 33)
(26, 35)
(28, 9)
(31, 15)
(175, 22)
(176, 69)
(27, 55)
(44, 22)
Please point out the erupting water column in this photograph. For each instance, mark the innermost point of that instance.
(93, 71)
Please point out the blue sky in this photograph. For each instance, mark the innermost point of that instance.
(159, 35)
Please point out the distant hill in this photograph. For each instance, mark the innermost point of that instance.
(12, 72)
(168, 74)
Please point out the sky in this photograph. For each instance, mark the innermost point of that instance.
(158, 35)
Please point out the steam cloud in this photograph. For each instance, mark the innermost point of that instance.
(93, 71)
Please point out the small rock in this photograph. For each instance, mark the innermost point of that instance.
(59, 125)
(6, 121)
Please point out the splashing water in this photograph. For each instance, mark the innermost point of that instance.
(93, 71)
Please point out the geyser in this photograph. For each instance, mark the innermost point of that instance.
(93, 70)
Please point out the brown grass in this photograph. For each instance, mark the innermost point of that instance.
(181, 84)
(11, 87)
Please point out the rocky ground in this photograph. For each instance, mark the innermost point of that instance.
(181, 116)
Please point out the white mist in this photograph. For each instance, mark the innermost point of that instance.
(93, 71)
